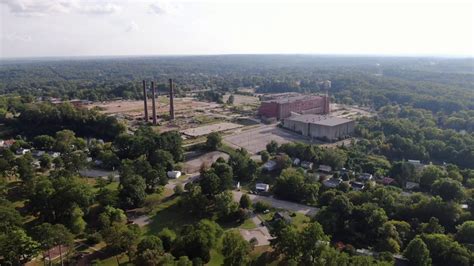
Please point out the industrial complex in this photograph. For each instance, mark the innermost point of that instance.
(320, 127)
(283, 106)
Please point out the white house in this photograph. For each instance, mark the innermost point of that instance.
(173, 174)
(22, 151)
(325, 168)
(262, 187)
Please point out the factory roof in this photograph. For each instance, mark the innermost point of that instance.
(319, 119)
(293, 98)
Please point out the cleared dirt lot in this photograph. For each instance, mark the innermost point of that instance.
(136, 107)
(242, 99)
(256, 140)
(204, 130)
(193, 162)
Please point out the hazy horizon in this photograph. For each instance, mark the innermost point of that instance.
(122, 28)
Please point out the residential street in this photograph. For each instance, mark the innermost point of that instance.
(279, 204)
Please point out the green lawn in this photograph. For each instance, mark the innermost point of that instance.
(217, 258)
(300, 220)
(169, 214)
(112, 261)
(248, 224)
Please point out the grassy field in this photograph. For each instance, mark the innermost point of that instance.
(169, 214)
(248, 224)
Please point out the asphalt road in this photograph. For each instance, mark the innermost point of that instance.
(279, 204)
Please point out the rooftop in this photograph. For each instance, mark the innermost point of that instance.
(319, 119)
(293, 98)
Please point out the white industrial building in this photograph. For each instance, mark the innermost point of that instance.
(320, 127)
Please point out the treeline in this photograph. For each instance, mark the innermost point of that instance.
(32, 119)
(407, 133)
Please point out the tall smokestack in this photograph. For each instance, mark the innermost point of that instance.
(145, 101)
(171, 100)
(153, 104)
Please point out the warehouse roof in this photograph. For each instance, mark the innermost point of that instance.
(319, 119)
(293, 99)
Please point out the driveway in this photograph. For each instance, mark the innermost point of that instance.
(279, 204)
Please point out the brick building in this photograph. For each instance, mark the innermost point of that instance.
(281, 108)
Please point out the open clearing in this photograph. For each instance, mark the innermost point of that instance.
(205, 130)
(256, 140)
(135, 108)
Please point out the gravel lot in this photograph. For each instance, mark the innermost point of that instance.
(256, 140)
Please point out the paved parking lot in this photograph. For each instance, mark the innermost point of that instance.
(256, 140)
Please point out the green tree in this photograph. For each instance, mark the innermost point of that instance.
(265, 156)
(122, 238)
(445, 251)
(54, 235)
(17, 247)
(10, 218)
(167, 237)
(132, 191)
(45, 161)
(235, 249)
(150, 243)
(225, 205)
(230, 100)
(272, 147)
(77, 224)
(465, 232)
(245, 202)
(214, 141)
(448, 189)
(429, 175)
(417, 253)
(313, 242)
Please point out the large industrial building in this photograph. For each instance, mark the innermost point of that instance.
(320, 127)
(283, 107)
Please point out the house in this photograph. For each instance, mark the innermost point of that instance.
(7, 143)
(325, 168)
(296, 161)
(417, 164)
(357, 186)
(270, 165)
(412, 185)
(262, 187)
(22, 151)
(387, 181)
(346, 173)
(54, 154)
(332, 182)
(307, 165)
(38, 153)
(365, 177)
(173, 174)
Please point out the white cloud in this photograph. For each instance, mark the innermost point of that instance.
(46, 7)
(13, 37)
(100, 9)
(163, 7)
(133, 27)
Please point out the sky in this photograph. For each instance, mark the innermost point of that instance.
(44, 28)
